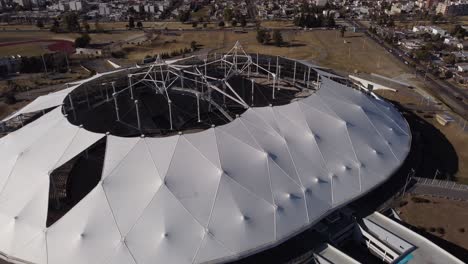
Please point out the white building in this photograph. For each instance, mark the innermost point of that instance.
(75, 5)
(437, 31)
(462, 67)
(23, 3)
(104, 9)
(433, 30)
(321, 2)
(88, 51)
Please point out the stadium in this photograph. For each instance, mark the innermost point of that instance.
(197, 160)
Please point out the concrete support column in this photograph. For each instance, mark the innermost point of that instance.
(170, 113)
(116, 106)
(198, 107)
(138, 115)
(294, 74)
(252, 100)
(130, 85)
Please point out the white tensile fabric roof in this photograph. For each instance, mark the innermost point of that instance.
(214, 195)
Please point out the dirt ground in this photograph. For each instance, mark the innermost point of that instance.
(441, 217)
(6, 109)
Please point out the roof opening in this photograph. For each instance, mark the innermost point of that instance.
(73, 180)
(164, 99)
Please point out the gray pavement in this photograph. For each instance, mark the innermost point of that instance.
(426, 252)
(440, 188)
(439, 191)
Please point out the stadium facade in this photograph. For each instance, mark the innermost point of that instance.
(189, 161)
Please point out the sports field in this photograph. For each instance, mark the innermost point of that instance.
(40, 42)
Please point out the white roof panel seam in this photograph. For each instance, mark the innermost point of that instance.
(315, 95)
(240, 141)
(290, 155)
(152, 159)
(272, 197)
(381, 136)
(324, 162)
(121, 160)
(63, 153)
(213, 205)
(289, 176)
(170, 163)
(201, 153)
(351, 144)
(143, 212)
(319, 97)
(2, 188)
(325, 165)
(390, 118)
(111, 210)
(265, 121)
(268, 169)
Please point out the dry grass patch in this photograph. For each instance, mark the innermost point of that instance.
(441, 217)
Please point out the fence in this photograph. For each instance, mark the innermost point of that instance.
(441, 184)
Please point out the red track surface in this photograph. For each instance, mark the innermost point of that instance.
(55, 44)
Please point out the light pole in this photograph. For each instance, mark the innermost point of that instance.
(408, 179)
(435, 175)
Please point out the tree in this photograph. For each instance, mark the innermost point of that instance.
(86, 26)
(221, 24)
(97, 26)
(184, 16)
(228, 14)
(342, 31)
(193, 45)
(450, 59)
(82, 41)
(277, 38)
(330, 21)
(422, 54)
(72, 23)
(263, 36)
(139, 25)
(391, 22)
(243, 21)
(39, 23)
(131, 22)
(458, 32)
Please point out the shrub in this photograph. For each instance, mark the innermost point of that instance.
(441, 230)
(118, 54)
(420, 200)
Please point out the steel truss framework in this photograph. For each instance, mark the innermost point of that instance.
(204, 81)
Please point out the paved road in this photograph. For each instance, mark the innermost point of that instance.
(426, 251)
(448, 93)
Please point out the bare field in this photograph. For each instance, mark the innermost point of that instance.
(324, 47)
(441, 217)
